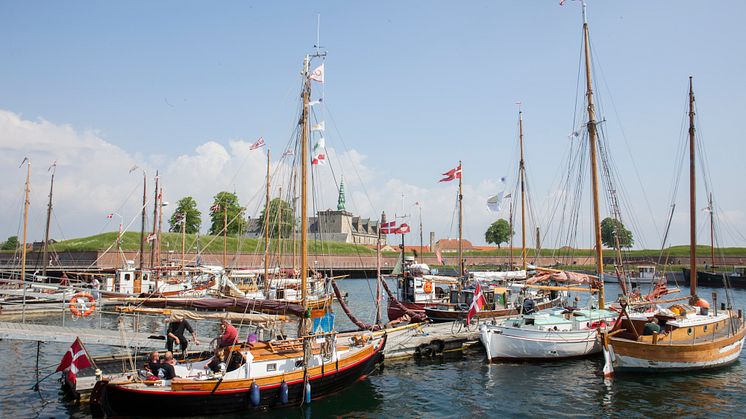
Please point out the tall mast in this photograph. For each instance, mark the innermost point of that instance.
(266, 234)
(160, 224)
(522, 170)
(304, 193)
(510, 258)
(422, 257)
(692, 197)
(183, 245)
(155, 224)
(25, 220)
(279, 230)
(142, 224)
(45, 259)
(594, 164)
(712, 232)
(378, 270)
(460, 222)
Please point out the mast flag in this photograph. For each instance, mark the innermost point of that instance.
(257, 144)
(317, 74)
(452, 174)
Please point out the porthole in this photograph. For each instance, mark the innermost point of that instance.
(689, 331)
(705, 328)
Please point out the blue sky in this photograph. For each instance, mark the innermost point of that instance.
(412, 87)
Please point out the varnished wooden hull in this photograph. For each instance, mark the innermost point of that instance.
(210, 397)
(630, 355)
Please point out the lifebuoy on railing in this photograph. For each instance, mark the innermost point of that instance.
(428, 287)
(82, 304)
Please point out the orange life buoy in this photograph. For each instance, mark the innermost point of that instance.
(82, 304)
(428, 287)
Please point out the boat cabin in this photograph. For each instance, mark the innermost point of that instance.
(645, 272)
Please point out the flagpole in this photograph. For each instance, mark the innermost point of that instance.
(522, 170)
(155, 224)
(142, 224)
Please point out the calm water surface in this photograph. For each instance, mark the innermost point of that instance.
(464, 386)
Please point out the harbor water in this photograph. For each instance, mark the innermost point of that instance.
(462, 385)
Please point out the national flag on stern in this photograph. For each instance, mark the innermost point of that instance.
(257, 144)
(75, 359)
(452, 174)
(476, 304)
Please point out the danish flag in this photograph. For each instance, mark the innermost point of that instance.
(75, 359)
(476, 304)
(452, 174)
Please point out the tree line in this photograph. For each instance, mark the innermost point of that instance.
(611, 230)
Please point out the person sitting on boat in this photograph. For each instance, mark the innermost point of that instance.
(167, 366)
(651, 327)
(154, 363)
(175, 334)
(703, 305)
(216, 363)
(229, 334)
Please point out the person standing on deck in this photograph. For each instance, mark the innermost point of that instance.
(229, 334)
(175, 334)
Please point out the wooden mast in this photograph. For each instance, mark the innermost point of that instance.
(225, 235)
(142, 223)
(183, 245)
(460, 222)
(303, 327)
(266, 234)
(378, 270)
(25, 222)
(712, 232)
(522, 170)
(594, 164)
(45, 246)
(692, 198)
(279, 230)
(154, 238)
(160, 226)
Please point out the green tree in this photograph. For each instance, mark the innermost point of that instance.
(11, 243)
(499, 232)
(188, 206)
(285, 221)
(226, 201)
(610, 228)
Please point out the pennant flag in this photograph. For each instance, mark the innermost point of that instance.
(110, 215)
(402, 229)
(257, 144)
(494, 202)
(315, 102)
(452, 174)
(150, 237)
(388, 228)
(25, 159)
(321, 126)
(215, 208)
(53, 166)
(75, 359)
(133, 168)
(180, 218)
(476, 304)
(317, 74)
(288, 153)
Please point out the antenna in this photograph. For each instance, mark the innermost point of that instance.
(319, 52)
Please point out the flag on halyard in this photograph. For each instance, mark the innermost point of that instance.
(151, 237)
(317, 74)
(110, 215)
(476, 304)
(452, 174)
(215, 208)
(257, 144)
(388, 228)
(402, 229)
(321, 126)
(75, 359)
(315, 102)
(319, 156)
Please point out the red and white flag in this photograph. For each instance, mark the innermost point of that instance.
(257, 144)
(151, 237)
(215, 208)
(317, 74)
(403, 229)
(476, 304)
(388, 228)
(319, 153)
(452, 174)
(110, 215)
(75, 359)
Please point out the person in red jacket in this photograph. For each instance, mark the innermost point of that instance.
(229, 334)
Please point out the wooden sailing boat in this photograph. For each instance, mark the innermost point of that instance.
(261, 374)
(691, 336)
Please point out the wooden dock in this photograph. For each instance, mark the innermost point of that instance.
(429, 340)
(89, 336)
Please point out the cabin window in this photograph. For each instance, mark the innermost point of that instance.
(298, 363)
(127, 277)
(689, 331)
(271, 367)
(705, 328)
